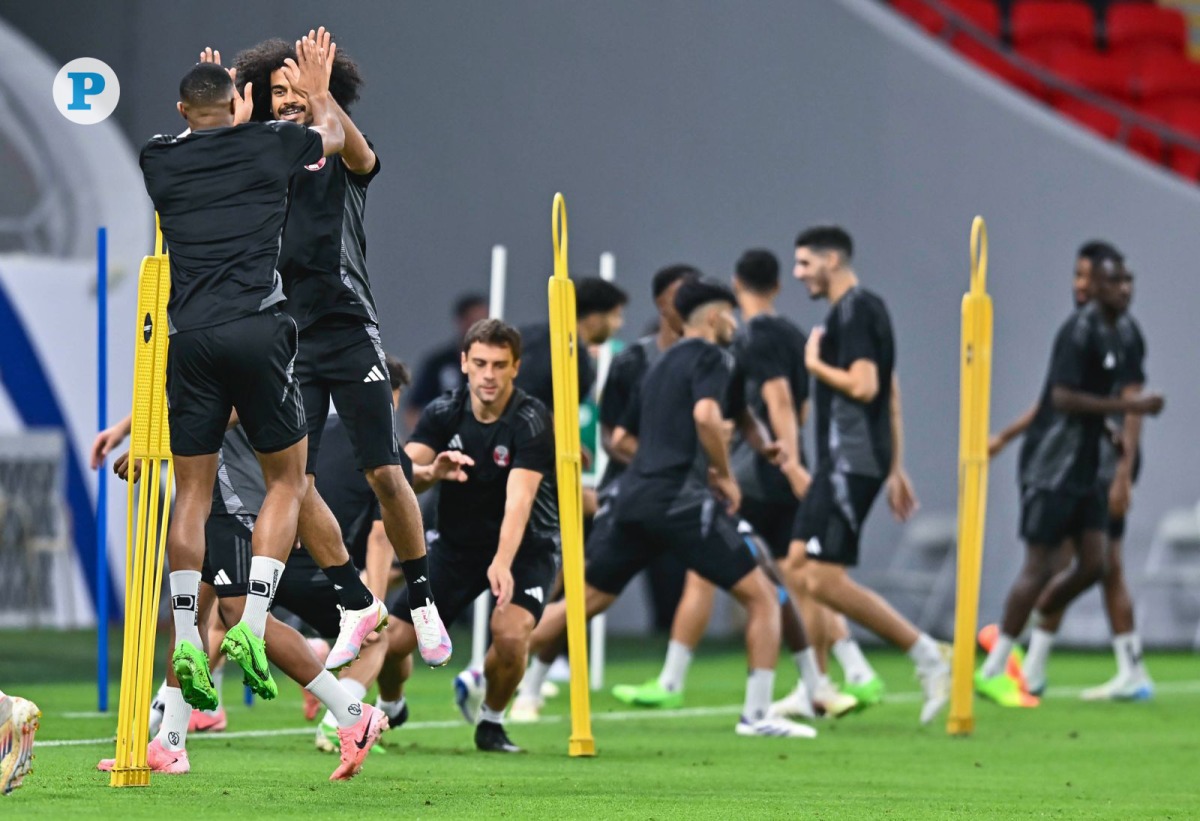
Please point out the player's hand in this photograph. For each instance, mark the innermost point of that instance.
(995, 445)
(501, 580)
(324, 39)
(450, 466)
(210, 55)
(901, 497)
(243, 103)
(1150, 404)
(727, 490)
(812, 348)
(773, 453)
(1120, 495)
(308, 74)
(106, 441)
(799, 478)
(121, 468)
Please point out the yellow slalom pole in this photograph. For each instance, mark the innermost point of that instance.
(147, 521)
(564, 357)
(975, 401)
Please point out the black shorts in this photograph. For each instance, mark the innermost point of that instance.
(1116, 525)
(227, 554)
(772, 521)
(305, 591)
(244, 364)
(831, 520)
(1049, 516)
(342, 358)
(457, 575)
(701, 535)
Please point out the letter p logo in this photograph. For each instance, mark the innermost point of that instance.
(86, 91)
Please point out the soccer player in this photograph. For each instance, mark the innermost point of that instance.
(1095, 371)
(441, 371)
(664, 501)
(18, 724)
(221, 194)
(859, 452)
(322, 259)
(492, 447)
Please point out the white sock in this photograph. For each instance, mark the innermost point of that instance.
(176, 716)
(390, 707)
(759, 687)
(535, 677)
(1040, 643)
(344, 708)
(185, 590)
(1127, 647)
(355, 688)
(486, 713)
(997, 660)
(260, 591)
(675, 667)
(925, 653)
(157, 707)
(854, 664)
(810, 673)
(218, 678)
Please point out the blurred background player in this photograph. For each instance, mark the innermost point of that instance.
(679, 495)
(1061, 493)
(322, 259)
(859, 440)
(441, 370)
(492, 447)
(19, 720)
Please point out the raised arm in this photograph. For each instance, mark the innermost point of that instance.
(308, 76)
(357, 154)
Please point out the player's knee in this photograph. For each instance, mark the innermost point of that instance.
(387, 481)
(511, 643)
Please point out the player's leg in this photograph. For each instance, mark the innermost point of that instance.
(1132, 682)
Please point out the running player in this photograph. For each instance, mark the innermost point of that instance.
(18, 724)
(664, 501)
(221, 192)
(1063, 494)
(492, 446)
(859, 452)
(323, 262)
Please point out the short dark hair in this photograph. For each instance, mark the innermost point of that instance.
(205, 85)
(257, 63)
(827, 238)
(494, 332)
(464, 304)
(758, 270)
(698, 292)
(1097, 250)
(664, 278)
(594, 295)
(398, 373)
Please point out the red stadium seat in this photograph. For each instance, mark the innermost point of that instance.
(923, 15)
(984, 14)
(998, 64)
(1136, 30)
(1101, 73)
(1161, 80)
(1107, 124)
(1041, 27)
(1185, 118)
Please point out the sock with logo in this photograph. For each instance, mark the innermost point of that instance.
(759, 686)
(675, 667)
(176, 716)
(357, 691)
(854, 664)
(185, 589)
(416, 576)
(345, 708)
(1128, 649)
(260, 591)
(351, 591)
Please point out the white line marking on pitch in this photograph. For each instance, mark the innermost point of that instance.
(1165, 688)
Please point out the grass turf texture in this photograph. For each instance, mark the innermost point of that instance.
(1065, 759)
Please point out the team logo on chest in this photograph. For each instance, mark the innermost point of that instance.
(500, 456)
(317, 166)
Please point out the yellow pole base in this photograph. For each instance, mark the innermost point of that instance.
(961, 726)
(582, 747)
(130, 777)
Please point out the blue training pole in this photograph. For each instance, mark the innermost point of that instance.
(102, 476)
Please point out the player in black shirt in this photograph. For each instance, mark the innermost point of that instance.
(323, 262)
(1063, 493)
(679, 495)
(491, 446)
(858, 439)
(220, 191)
(599, 313)
(441, 371)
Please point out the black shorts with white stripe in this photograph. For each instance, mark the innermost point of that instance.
(227, 554)
(341, 358)
(831, 519)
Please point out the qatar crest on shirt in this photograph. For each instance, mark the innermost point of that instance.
(500, 456)
(317, 166)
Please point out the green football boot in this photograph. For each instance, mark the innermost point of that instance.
(250, 653)
(650, 694)
(868, 693)
(195, 681)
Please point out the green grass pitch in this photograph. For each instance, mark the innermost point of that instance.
(1066, 759)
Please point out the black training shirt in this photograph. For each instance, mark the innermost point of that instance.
(470, 513)
(1133, 373)
(536, 377)
(221, 195)
(323, 257)
(621, 388)
(856, 437)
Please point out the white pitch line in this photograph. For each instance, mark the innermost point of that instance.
(1164, 688)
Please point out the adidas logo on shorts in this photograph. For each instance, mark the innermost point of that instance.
(375, 375)
(535, 593)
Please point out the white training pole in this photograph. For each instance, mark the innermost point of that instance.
(483, 604)
(598, 627)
